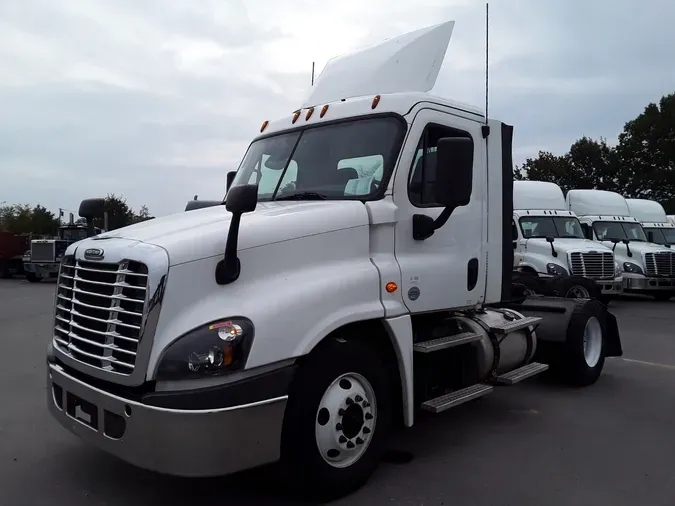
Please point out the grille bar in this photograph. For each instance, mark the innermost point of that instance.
(100, 312)
(660, 264)
(592, 265)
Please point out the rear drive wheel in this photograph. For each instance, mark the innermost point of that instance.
(577, 287)
(583, 356)
(337, 420)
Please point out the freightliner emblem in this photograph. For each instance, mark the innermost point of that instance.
(93, 254)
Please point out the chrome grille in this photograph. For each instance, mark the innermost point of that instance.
(660, 264)
(100, 310)
(592, 265)
(42, 252)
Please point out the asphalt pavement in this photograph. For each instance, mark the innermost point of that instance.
(530, 445)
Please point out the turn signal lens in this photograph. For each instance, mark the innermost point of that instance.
(391, 287)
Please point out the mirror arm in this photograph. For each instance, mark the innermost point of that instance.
(229, 268)
(424, 226)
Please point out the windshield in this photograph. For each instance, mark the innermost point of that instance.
(346, 160)
(73, 234)
(608, 230)
(553, 226)
(661, 235)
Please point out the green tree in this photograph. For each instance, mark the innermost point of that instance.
(119, 213)
(43, 221)
(646, 151)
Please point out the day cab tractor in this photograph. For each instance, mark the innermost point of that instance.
(359, 271)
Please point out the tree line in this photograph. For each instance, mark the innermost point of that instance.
(640, 165)
(38, 220)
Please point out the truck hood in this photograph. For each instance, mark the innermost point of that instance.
(202, 233)
(566, 245)
(641, 247)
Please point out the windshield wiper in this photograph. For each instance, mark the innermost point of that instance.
(303, 196)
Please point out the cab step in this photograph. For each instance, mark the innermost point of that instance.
(446, 342)
(512, 325)
(456, 398)
(518, 375)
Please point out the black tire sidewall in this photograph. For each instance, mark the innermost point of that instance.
(300, 458)
(574, 367)
(564, 285)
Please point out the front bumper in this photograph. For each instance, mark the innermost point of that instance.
(610, 287)
(181, 442)
(645, 284)
(42, 270)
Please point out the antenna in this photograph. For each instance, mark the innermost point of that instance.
(487, 40)
(312, 73)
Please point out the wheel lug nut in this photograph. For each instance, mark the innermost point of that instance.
(366, 404)
(369, 416)
(366, 430)
(358, 398)
(338, 426)
(349, 401)
(341, 412)
(342, 439)
(359, 441)
(350, 445)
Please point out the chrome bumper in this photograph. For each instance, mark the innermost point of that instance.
(199, 443)
(611, 287)
(641, 284)
(45, 270)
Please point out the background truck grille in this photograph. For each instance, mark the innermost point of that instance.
(100, 310)
(42, 252)
(660, 264)
(593, 265)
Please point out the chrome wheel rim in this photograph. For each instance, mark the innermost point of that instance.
(578, 292)
(592, 342)
(345, 420)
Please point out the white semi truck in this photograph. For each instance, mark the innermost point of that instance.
(658, 228)
(299, 324)
(648, 268)
(548, 240)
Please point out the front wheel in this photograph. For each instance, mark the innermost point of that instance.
(577, 287)
(337, 419)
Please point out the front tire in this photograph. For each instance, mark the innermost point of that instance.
(577, 287)
(32, 277)
(337, 419)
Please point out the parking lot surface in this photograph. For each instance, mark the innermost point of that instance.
(533, 444)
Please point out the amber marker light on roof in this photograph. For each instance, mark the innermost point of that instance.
(324, 110)
(376, 101)
(309, 113)
(296, 115)
(264, 126)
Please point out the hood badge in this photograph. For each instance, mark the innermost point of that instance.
(93, 254)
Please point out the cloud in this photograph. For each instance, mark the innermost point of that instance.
(157, 100)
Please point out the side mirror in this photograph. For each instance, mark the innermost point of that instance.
(241, 199)
(91, 209)
(230, 178)
(454, 171)
(550, 239)
(625, 241)
(453, 185)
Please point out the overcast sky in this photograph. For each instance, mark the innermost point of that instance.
(157, 99)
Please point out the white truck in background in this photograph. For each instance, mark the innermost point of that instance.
(648, 269)
(671, 218)
(654, 221)
(548, 240)
(299, 324)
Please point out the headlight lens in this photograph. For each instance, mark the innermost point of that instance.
(556, 269)
(632, 268)
(211, 350)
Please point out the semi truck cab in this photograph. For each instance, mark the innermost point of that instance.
(358, 271)
(648, 268)
(548, 239)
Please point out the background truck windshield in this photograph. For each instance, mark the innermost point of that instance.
(345, 160)
(544, 226)
(661, 235)
(608, 230)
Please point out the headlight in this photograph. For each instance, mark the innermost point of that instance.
(556, 269)
(211, 350)
(632, 268)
